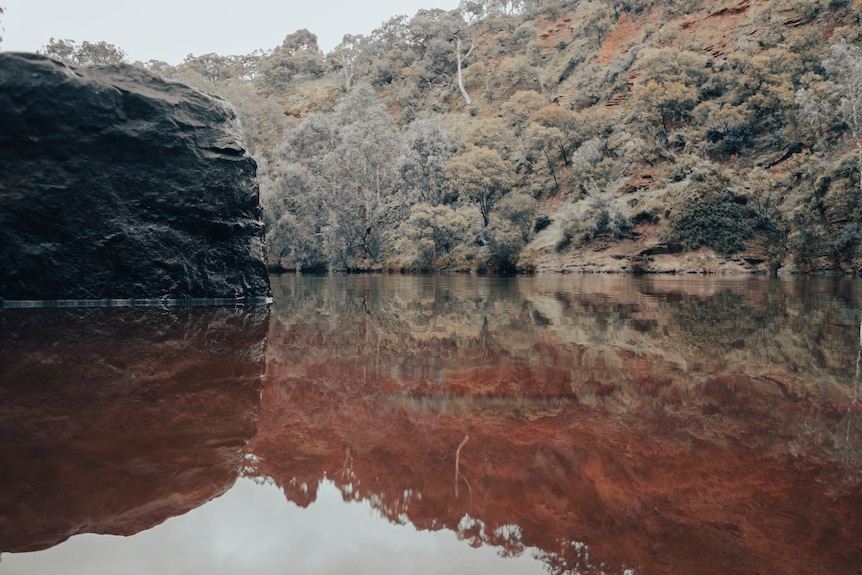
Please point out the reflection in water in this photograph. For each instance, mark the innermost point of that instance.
(112, 420)
(252, 529)
(612, 424)
(596, 423)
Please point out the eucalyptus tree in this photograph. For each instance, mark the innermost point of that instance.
(666, 89)
(386, 52)
(443, 41)
(421, 167)
(360, 172)
(298, 55)
(338, 171)
(215, 68)
(509, 230)
(839, 98)
(84, 54)
(481, 177)
(345, 59)
(431, 235)
(295, 196)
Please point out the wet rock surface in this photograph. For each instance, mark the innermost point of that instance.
(115, 183)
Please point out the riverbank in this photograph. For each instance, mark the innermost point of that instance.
(646, 253)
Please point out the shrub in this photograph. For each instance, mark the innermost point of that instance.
(542, 222)
(599, 217)
(711, 215)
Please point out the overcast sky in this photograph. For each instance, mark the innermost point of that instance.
(170, 30)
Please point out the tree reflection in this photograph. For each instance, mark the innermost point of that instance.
(607, 424)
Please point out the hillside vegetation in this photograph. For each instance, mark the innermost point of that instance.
(604, 135)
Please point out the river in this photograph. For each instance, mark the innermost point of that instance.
(439, 424)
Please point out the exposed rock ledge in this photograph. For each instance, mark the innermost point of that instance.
(645, 254)
(115, 183)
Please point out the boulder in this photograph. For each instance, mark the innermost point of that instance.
(117, 183)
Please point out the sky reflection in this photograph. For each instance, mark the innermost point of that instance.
(253, 529)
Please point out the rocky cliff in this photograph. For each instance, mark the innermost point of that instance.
(115, 183)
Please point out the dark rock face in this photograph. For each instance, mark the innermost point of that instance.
(115, 183)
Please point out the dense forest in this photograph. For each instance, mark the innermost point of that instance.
(535, 135)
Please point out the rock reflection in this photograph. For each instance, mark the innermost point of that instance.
(113, 420)
(655, 425)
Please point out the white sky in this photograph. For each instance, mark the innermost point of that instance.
(170, 30)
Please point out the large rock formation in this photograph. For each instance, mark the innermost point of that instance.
(115, 183)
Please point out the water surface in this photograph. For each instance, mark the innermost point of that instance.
(589, 424)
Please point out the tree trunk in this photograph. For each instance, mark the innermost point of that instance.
(460, 75)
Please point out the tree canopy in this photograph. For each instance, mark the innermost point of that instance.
(484, 137)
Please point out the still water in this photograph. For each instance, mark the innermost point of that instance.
(440, 424)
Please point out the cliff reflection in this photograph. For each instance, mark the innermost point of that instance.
(654, 424)
(113, 420)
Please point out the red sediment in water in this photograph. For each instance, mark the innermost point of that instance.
(112, 421)
(709, 488)
(665, 453)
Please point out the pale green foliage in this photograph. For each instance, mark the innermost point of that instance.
(504, 244)
(491, 133)
(664, 104)
(261, 117)
(422, 165)
(519, 209)
(479, 176)
(85, 54)
(594, 19)
(387, 51)
(520, 106)
(346, 57)
(839, 99)
(431, 236)
(565, 129)
(762, 87)
(666, 91)
(600, 216)
(810, 238)
(341, 171)
(359, 175)
(543, 149)
(298, 55)
(554, 141)
(294, 218)
(670, 65)
(710, 213)
(728, 130)
(433, 34)
(215, 69)
(586, 157)
(514, 74)
(509, 230)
